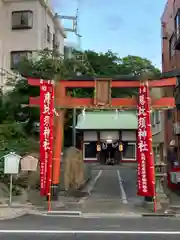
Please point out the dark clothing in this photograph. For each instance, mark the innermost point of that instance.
(171, 156)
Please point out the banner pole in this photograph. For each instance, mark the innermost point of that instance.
(151, 149)
(51, 150)
(49, 202)
(155, 207)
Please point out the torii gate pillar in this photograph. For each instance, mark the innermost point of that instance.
(101, 100)
(58, 143)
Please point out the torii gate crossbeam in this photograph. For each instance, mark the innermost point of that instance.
(62, 101)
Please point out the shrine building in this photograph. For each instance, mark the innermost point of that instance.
(109, 131)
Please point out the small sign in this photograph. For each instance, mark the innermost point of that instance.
(178, 177)
(98, 148)
(11, 163)
(29, 163)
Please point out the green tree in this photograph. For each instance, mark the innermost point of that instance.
(51, 66)
(109, 64)
(104, 64)
(13, 139)
(45, 66)
(2, 108)
(136, 65)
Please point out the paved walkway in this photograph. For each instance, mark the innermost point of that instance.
(114, 192)
(17, 210)
(9, 213)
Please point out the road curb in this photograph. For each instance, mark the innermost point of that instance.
(101, 215)
(62, 213)
(110, 215)
(159, 215)
(90, 187)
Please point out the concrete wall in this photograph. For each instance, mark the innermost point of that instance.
(157, 124)
(90, 136)
(158, 130)
(129, 136)
(126, 135)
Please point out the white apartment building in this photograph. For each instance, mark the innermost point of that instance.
(27, 26)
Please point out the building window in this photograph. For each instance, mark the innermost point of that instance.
(157, 116)
(22, 20)
(48, 34)
(130, 152)
(54, 41)
(16, 57)
(89, 151)
(177, 24)
(153, 119)
(169, 114)
(171, 46)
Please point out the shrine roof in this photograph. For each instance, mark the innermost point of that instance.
(107, 120)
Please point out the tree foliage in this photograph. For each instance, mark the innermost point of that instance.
(47, 65)
(17, 119)
(110, 64)
(14, 139)
(137, 65)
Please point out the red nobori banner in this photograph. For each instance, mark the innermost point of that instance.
(144, 146)
(50, 158)
(46, 119)
(150, 165)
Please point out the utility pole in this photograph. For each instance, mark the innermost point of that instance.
(74, 29)
(80, 57)
(79, 48)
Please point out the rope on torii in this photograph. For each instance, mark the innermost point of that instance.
(117, 113)
(84, 112)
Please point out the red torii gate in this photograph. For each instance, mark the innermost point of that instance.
(102, 100)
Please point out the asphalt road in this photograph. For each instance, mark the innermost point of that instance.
(113, 192)
(38, 227)
(29, 222)
(83, 236)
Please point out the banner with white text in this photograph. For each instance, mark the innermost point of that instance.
(46, 126)
(145, 173)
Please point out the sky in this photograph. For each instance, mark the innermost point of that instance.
(126, 27)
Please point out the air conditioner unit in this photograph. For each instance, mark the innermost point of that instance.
(68, 52)
(176, 128)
